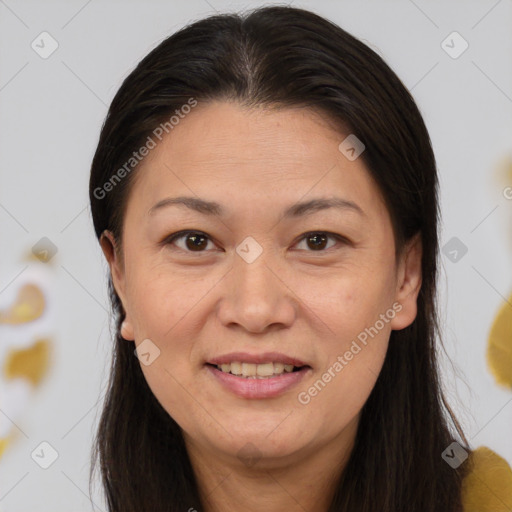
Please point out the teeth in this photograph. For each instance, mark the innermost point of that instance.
(248, 370)
(255, 371)
(236, 368)
(279, 367)
(265, 370)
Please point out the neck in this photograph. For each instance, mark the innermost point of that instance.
(296, 483)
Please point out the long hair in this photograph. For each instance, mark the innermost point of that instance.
(286, 57)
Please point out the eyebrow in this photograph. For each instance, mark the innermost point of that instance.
(296, 210)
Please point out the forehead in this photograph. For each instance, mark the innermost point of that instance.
(223, 150)
(227, 133)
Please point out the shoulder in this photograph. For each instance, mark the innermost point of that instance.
(488, 485)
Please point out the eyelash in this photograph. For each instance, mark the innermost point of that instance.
(181, 234)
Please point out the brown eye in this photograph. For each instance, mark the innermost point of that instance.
(194, 241)
(317, 241)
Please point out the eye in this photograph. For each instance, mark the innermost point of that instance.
(317, 239)
(195, 241)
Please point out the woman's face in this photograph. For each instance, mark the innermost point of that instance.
(270, 274)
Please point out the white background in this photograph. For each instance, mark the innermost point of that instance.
(51, 114)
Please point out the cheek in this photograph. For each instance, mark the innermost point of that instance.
(350, 301)
(343, 386)
(159, 300)
(357, 311)
(162, 310)
(164, 307)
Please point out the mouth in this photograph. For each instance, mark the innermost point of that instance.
(257, 371)
(257, 376)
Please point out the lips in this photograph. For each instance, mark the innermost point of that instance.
(258, 387)
(257, 376)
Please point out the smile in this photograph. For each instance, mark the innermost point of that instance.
(256, 386)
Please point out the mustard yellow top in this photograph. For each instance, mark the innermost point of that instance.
(488, 487)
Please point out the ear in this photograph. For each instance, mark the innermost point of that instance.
(111, 252)
(408, 283)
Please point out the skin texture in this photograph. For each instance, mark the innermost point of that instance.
(296, 299)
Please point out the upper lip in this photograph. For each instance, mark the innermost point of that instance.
(264, 357)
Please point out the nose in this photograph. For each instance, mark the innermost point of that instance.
(256, 297)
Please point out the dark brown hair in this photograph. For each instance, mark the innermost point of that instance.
(286, 57)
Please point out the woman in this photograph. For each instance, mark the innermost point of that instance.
(265, 193)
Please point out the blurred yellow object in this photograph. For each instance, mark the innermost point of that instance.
(499, 346)
(30, 363)
(488, 487)
(3, 445)
(26, 344)
(29, 306)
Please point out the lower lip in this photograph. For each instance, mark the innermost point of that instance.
(258, 388)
